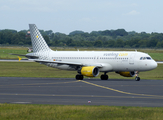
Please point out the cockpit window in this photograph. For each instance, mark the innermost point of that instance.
(148, 58)
(145, 58)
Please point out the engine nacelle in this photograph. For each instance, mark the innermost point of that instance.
(89, 71)
(127, 74)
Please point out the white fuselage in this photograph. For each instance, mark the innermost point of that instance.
(109, 60)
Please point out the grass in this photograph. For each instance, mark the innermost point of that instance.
(4, 51)
(157, 56)
(72, 112)
(32, 69)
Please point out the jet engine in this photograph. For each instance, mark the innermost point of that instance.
(127, 74)
(89, 71)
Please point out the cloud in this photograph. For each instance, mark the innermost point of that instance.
(4, 8)
(133, 12)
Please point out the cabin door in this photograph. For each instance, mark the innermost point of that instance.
(131, 59)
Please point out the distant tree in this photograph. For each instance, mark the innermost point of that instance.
(111, 43)
(76, 32)
(69, 41)
(94, 33)
(127, 46)
(119, 43)
(23, 31)
(15, 39)
(47, 39)
(43, 33)
(98, 43)
(119, 32)
(20, 43)
(49, 32)
(106, 38)
(85, 35)
(158, 45)
(132, 33)
(106, 32)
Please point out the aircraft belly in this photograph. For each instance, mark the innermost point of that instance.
(121, 66)
(106, 67)
(65, 67)
(60, 66)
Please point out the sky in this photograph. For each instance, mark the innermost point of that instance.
(65, 16)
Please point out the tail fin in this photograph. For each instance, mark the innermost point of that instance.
(38, 42)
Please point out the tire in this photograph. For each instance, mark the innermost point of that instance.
(137, 78)
(79, 77)
(104, 77)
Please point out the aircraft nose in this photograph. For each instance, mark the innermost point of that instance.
(154, 65)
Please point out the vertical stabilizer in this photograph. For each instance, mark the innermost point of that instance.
(38, 42)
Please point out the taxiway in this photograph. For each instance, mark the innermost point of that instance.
(68, 91)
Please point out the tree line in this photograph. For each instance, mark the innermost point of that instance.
(108, 38)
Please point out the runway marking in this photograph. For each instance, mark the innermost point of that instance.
(21, 102)
(41, 83)
(119, 91)
(90, 96)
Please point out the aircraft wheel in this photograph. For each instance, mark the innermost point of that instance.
(137, 78)
(79, 77)
(104, 77)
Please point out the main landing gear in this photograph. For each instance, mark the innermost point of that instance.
(79, 77)
(104, 77)
(137, 78)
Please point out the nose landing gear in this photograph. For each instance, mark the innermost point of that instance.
(137, 78)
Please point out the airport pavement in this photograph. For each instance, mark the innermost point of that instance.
(68, 91)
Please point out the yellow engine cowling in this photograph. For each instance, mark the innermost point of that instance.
(126, 74)
(90, 71)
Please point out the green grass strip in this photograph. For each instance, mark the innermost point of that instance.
(32, 69)
(72, 112)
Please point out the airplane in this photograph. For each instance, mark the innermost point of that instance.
(89, 63)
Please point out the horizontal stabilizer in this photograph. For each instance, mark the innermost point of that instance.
(28, 56)
(19, 58)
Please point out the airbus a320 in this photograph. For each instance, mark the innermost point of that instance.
(89, 63)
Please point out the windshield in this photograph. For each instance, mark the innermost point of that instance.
(145, 58)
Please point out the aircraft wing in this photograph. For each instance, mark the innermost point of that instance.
(66, 63)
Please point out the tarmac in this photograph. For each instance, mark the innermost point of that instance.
(68, 91)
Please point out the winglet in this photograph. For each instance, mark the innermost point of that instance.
(19, 58)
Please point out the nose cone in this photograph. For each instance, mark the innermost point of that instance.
(153, 65)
